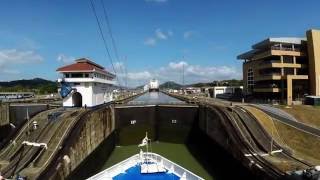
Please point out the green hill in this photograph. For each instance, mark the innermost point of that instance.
(37, 85)
(170, 85)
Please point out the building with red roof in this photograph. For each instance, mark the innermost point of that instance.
(85, 84)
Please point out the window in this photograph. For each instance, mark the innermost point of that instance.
(86, 75)
(288, 59)
(174, 121)
(76, 75)
(250, 79)
(133, 122)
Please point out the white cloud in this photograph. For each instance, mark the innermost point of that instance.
(10, 71)
(161, 35)
(192, 73)
(118, 65)
(13, 57)
(143, 75)
(178, 65)
(65, 59)
(158, 35)
(158, 1)
(188, 34)
(150, 42)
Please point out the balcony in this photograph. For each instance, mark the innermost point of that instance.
(285, 48)
(277, 52)
(267, 89)
(269, 76)
(89, 79)
(278, 64)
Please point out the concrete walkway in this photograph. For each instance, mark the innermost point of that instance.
(288, 119)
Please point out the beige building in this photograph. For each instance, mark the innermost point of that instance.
(283, 68)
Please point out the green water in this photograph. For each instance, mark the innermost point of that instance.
(177, 153)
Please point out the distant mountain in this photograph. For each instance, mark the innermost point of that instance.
(170, 85)
(25, 82)
(36, 85)
(174, 85)
(230, 82)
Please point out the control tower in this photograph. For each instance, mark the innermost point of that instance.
(85, 84)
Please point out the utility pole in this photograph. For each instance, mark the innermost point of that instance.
(183, 71)
(125, 72)
(183, 74)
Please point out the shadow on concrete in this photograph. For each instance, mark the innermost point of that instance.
(217, 161)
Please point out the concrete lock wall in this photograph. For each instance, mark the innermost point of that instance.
(163, 123)
(201, 128)
(4, 120)
(91, 141)
(4, 114)
(211, 123)
(18, 112)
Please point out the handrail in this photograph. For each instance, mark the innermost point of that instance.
(134, 160)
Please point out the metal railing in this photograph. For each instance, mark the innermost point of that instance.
(285, 48)
(134, 160)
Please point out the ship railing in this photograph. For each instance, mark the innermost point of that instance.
(134, 160)
(173, 167)
(116, 169)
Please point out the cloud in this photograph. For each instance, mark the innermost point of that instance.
(118, 65)
(10, 71)
(150, 42)
(178, 66)
(65, 59)
(193, 73)
(13, 57)
(157, 1)
(143, 75)
(161, 35)
(188, 34)
(158, 35)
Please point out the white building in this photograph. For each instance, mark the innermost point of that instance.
(85, 83)
(192, 90)
(146, 87)
(154, 85)
(223, 90)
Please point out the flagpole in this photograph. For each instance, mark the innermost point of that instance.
(147, 150)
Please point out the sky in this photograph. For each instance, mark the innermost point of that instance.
(154, 38)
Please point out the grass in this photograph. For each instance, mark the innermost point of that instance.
(304, 113)
(177, 153)
(304, 145)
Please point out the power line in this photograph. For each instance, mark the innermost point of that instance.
(183, 71)
(106, 17)
(126, 71)
(104, 40)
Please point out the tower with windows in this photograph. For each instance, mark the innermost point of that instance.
(85, 84)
